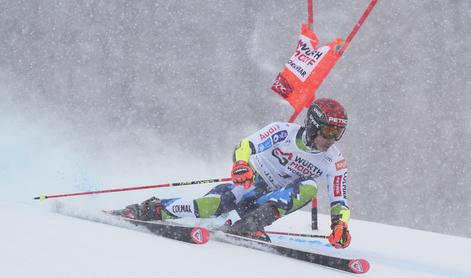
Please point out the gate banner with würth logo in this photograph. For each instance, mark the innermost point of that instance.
(306, 69)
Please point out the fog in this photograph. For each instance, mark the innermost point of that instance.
(129, 92)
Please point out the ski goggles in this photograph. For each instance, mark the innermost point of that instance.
(331, 132)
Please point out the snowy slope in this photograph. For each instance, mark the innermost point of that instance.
(37, 242)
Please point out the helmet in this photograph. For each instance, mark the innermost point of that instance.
(327, 116)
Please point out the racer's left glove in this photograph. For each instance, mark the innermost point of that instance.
(340, 237)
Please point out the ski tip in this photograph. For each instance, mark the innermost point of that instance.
(359, 266)
(199, 235)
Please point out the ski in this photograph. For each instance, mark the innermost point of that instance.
(189, 234)
(201, 235)
(196, 235)
(356, 266)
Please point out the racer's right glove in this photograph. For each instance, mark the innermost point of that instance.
(242, 174)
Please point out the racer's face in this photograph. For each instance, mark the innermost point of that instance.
(322, 143)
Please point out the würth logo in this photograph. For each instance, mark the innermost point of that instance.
(282, 157)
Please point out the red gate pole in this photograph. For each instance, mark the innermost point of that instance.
(358, 25)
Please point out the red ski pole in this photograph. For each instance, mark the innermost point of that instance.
(44, 197)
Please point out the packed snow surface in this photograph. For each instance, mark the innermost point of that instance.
(43, 240)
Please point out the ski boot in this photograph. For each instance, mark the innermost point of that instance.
(253, 224)
(148, 210)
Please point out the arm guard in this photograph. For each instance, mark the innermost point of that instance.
(243, 151)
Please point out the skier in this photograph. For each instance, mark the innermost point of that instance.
(273, 174)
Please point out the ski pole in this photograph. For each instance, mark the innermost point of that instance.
(295, 234)
(44, 197)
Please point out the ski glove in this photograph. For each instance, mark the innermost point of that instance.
(242, 174)
(340, 237)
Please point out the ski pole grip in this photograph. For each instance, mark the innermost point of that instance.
(40, 197)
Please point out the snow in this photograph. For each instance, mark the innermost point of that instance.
(39, 242)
